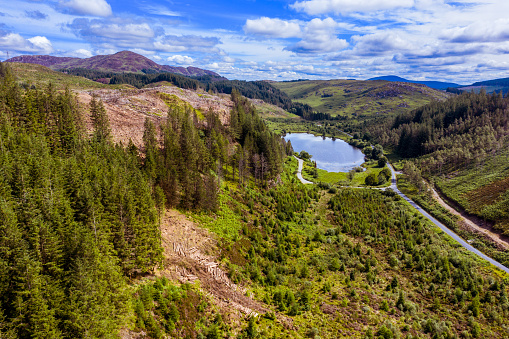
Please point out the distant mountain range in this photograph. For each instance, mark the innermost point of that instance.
(431, 84)
(124, 61)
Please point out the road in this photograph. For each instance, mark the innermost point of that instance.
(299, 171)
(423, 212)
(442, 226)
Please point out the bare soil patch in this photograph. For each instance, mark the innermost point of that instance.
(190, 253)
(128, 108)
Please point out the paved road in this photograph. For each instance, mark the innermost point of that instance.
(443, 227)
(423, 212)
(299, 171)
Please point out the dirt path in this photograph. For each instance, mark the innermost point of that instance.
(475, 225)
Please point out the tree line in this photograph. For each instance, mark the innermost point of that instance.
(137, 80)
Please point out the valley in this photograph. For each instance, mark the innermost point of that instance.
(167, 211)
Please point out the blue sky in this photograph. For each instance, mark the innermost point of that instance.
(461, 41)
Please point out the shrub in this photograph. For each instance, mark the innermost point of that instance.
(371, 179)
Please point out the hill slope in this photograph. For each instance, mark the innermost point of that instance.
(356, 97)
(40, 76)
(124, 61)
(430, 84)
(461, 143)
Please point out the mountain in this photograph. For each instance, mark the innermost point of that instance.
(490, 86)
(348, 98)
(124, 61)
(431, 84)
(495, 82)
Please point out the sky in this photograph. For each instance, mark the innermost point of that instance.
(460, 41)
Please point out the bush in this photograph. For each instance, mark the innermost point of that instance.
(304, 155)
(371, 179)
(385, 332)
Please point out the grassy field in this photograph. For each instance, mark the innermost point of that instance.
(341, 178)
(356, 98)
(266, 110)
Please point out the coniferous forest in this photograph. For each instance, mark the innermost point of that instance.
(80, 215)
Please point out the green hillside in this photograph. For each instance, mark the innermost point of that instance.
(41, 76)
(462, 145)
(359, 98)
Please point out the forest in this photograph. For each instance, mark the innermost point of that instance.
(456, 132)
(137, 80)
(80, 215)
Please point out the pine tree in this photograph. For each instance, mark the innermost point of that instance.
(100, 121)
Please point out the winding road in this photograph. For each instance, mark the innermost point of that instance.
(299, 171)
(442, 226)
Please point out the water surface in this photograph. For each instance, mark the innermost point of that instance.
(330, 155)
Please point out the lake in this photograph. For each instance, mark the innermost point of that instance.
(330, 155)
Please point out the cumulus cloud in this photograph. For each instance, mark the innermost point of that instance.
(497, 31)
(36, 44)
(317, 7)
(87, 7)
(272, 27)
(175, 43)
(120, 34)
(319, 36)
(181, 60)
(37, 15)
(380, 43)
(81, 53)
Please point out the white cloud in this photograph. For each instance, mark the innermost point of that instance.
(481, 31)
(319, 36)
(160, 10)
(181, 43)
(88, 7)
(114, 34)
(131, 32)
(272, 27)
(228, 59)
(383, 42)
(316, 7)
(36, 44)
(41, 43)
(181, 60)
(81, 53)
